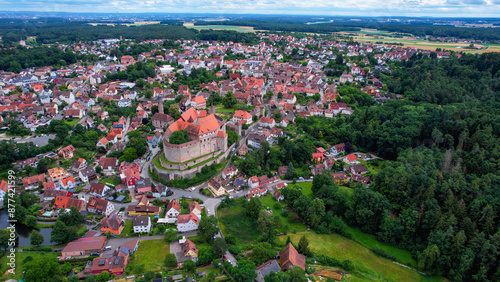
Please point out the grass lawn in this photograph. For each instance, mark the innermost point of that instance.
(72, 123)
(127, 229)
(371, 266)
(19, 263)
(270, 202)
(306, 188)
(152, 254)
(371, 242)
(112, 181)
(234, 221)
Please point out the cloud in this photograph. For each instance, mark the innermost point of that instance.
(475, 2)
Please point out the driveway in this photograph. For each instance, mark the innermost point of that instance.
(176, 249)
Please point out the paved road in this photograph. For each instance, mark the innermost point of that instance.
(40, 141)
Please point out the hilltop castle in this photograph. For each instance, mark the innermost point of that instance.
(207, 135)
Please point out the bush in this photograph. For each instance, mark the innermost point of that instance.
(277, 206)
(234, 249)
(170, 260)
(285, 213)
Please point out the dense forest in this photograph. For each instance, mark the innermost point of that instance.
(69, 32)
(438, 192)
(487, 34)
(15, 59)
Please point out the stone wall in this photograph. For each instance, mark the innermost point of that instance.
(188, 164)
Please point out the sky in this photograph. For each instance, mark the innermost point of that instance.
(369, 8)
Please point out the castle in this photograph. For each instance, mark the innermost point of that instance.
(207, 135)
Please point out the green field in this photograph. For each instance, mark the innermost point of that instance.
(220, 27)
(269, 201)
(307, 188)
(152, 254)
(234, 221)
(127, 229)
(371, 266)
(20, 256)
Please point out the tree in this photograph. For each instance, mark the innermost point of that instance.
(41, 268)
(129, 155)
(229, 100)
(245, 272)
(208, 227)
(66, 268)
(253, 207)
(290, 171)
(189, 266)
(42, 165)
(219, 246)
(62, 234)
(427, 259)
(205, 255)
(319, 180)
(170, 260)
(262, 252)
(179, 137)
(71, 218)
(36, 239)
(170, 235)
(303, 247)
(4, 238)
(267, 225)
(103, 276)
(30, 221)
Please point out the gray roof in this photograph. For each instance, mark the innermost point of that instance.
(268, 266)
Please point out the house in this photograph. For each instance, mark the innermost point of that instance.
(289, 258)
(62, 202)
(338, 149)
(134, 210)
(282, 170)
(141, 224)
(363, 179)
(199, 102)
(48, 195)
(108, 165)
(114, 265)
(160, 191)
(253, 182)
(238, 182)
(67, 152)
(195, 208)
(318, 158)
(49, 186)
(112, 224)
(123, 103)
(161, 120)
(100, 206)
(32, 182)
(68, 182)
(229, 172)
(130, 176)
(99, 190)
(243, 150)
(242, 116)
(350, 159)
(267, 122)
(280, 185)
(87, 174)
(189, 250)
(56, 174)
(142, 186)
(257, 192)
(266, 268)
(84, 246)
(155, 139)
(215, 186)
(359, 169)
(173, 209)
(78, 165)
(187, 222)
(278, 196)
(318, 169)
(339, 177)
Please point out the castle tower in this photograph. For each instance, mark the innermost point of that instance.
(222, 141)
(237, 127)
(212, 109)
(262, 110)
(160, 107)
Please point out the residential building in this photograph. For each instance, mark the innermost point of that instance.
(290, 258)
(141, 224)
(112, 224)
(266, 268)
(195, 208)
(173, 209)
(100, 206)
(32, 182)
(63, 202)
(87, 174)
(187, 222)
(134, 210)
(340, 177)
(84, 246)
(189, 250)
(67, 152)
(99, 190)
(242, 115)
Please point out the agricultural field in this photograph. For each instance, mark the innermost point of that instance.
(373, 35)
(370, 266)
(234, 221)
(152, 254)
(221, 27)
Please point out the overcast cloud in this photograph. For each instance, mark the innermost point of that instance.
(436, 8)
